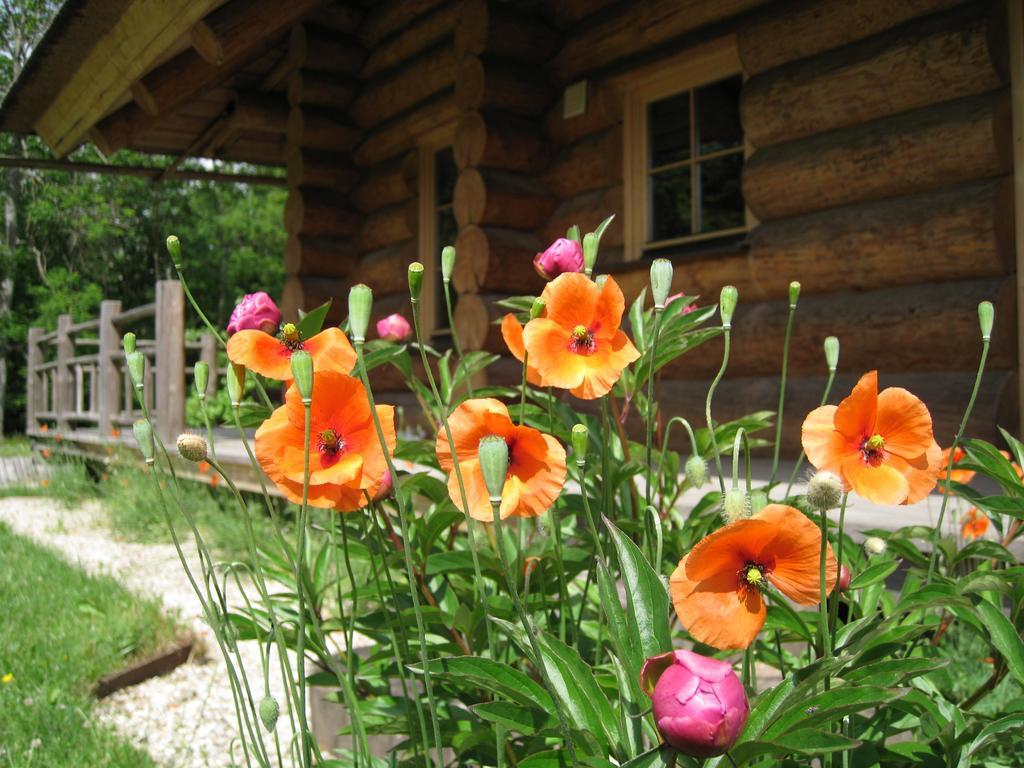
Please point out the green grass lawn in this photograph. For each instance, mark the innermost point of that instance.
(17, 445)
(60, 631)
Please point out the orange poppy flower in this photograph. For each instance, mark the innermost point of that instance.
(957, 475)
(716, 588)
(512, 332)
(974, 525)
(214, 480)
(346, 460)
(577, 344)
(46, 453)
(271, 356)
(536, 462)
(879, 443)
(44, 428)
(203, 467)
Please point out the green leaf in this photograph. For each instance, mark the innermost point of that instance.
(646, 595)
(313, 321)
(889, 672)
(879, 570)
(628, 652)
(827, 706)
(500, 679)
(602, 227)
(988, 734)
(987, 550)
(655, 758)
(1003, 636)
(803, 741)
(764, 709)
(525, 720)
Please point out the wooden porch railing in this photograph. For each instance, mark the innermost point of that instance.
(78, 385)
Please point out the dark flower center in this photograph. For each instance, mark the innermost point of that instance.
(290, 337)
(752, 576)
(873, 450)
(331, 445)
(582, 340)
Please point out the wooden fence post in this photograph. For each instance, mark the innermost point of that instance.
(64, 392)
(109, 379)
(208, 355)
(170, 359)
(34, 356)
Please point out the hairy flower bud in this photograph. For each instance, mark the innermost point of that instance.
(137, 369)
(735, 506)
(128, 343)
(700, 706)
(696, 470)
(493, 456)
(360, 302)
(174, 249)
(831, 353)
(201, 378)
(661, 281)
(986, 316)
(415, 283)
(255, 312)
(727, 304)
(192, 447)
(269, 712)
(580, 438)
(824, 491)
(563, 255)
(235, 379)
(302, 373)
(874, 545)
(447, 262)
(143, 432)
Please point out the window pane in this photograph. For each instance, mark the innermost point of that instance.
(721, 199)
(718, 116)
(668, 127)
(670, 204)
(445, 174)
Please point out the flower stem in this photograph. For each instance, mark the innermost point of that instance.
(833, 615)
(707, 408)
(649, 439)
(300, 558)
(824, 640)
(782, 394)
(451, 326)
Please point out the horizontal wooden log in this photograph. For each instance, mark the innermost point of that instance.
(587, 210)
(491, 259)
(499, 141)
(504, 31)
(501, 199)
(415, 37)
(567, 13)
(429, 73)
(604, 110)
(313, 47)
(396, 136)
(388, 226)
(259, 112)
(320, 89)
(338, 17)
(229, 30)
(388, 184)
(389, 17)
(961, 53)
(797, 30)
(319, 212)
(261, 149)
(307, 292)
(317, 255)
(386, 270)
(591, 163)
(925, 149)
(317, 128)
(932, 327)
(325, 170)
(630, 28)
(958, 233)
(490, 84)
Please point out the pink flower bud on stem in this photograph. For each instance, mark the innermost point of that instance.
(561, 256)
(394, 327)
(255, 312)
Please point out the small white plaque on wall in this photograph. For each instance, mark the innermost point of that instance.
(574, 100)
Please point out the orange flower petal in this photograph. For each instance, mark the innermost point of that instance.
(604, 367)
(883, 484)
(548, 343)
(920, 482)
(728, 549)
(331, 351)
(571, 299)
(476, 490)
(793, 555)
(824, 445)
(262, 353)
(714, 610)
(904, 422)
(855, 416)
(512, 333)
(472, 421)
(608, 312)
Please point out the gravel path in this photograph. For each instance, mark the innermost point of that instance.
(185, 719)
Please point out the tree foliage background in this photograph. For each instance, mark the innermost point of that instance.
(74, 239)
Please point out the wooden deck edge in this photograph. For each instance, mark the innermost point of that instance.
(158, 664)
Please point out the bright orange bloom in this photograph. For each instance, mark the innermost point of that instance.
(115, 433)
(974, 525)
(577, 344)
(512, 332)
(44, 428)
(536, 462)
(271, 356)
(203, 467)
(46, 453)
(214, 480)
(879, 443)
(345, 457)
(957, 475)
(716, 588)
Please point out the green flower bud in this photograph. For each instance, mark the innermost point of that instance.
(269, 712)
(794, 293)
(537, 309)
(589, 252)
(493, 456)
(447, 262)
(727, 304)
(758, 501)
(174, 248)
(736, 506)
(201, 378)
(696, 470)
(831, 352)
(874, 546)
(236, 383)
(191, 447)
(137, 369)
(360, 302)
(824, 491)
(580, 438)
(128, 342)
(661, 281)
(986, 316)
(302, 373)
(143, 432)
(415, 282)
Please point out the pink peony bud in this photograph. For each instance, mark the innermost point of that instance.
(394, 328)
(384, 489)
(256, 312)
(844, 578)
(700, 706)
(563, 255)
(685, 310)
